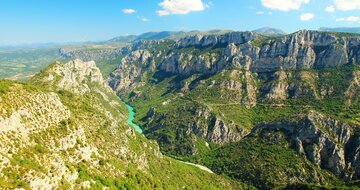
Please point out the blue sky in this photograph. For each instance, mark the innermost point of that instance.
(39, 21)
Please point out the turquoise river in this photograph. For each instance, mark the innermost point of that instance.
(131, 117)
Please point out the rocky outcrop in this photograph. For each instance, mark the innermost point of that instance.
(304, 49)
(283, 85)
(235, 86)
(74, 76)
(217, 130)
(353, 92)
(279, 90)
(217, 40)
(107, 53)
(301, 50)
(91, 55)
(128, 76)
(40, 112)
(200, 120)
(327, 143)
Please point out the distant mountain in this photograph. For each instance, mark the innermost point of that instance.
(267, 31)
(158, 35)
(145, 36)
(124, 39)
(165, 35)
(341, 29)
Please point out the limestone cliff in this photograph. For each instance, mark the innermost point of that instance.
(210, 54)
(326, 142)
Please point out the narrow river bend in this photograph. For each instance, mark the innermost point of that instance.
(138, 129)
(131, 117)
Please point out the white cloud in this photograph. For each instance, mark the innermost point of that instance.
(284, 5)
(347, 5)
(307, 16)
(349, 19)
(260, 13)
(270, 13)
(330, 9)
(144, 19)
(172, 7)
(129, 11)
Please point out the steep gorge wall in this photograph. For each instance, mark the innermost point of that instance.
(211, 54)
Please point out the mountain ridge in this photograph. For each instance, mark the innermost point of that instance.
(268, 31)
(341, 29)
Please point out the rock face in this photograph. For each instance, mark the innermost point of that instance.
(106, 53)
(282, 85)
(74, 75)
(127, 75)
(210, 54)
(88, 55)
(217, 40)
(216, 130)
(48, 104)
(198, 120)
(279, 90)
(328, 143)
(353, 92)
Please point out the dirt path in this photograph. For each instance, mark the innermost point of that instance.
(198, 166)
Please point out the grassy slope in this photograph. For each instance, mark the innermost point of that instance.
(163, 173)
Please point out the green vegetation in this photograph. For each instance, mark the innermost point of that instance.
(107, 66)
(267, 162)
(21, 64)
(262, 41)
(119, 159)
(5, 86)
(344, 34)
(258, 161)
(176, 105)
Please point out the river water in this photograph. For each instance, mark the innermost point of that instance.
(131, 117)
(138, 129)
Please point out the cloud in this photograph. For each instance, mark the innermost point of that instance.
(307, 16)
(173, 7)
(129, 11)
(330, 9)
(284, 5)
(209, 4)
(144, 19)
(260, 13)
(349, 19)
(347, 5)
